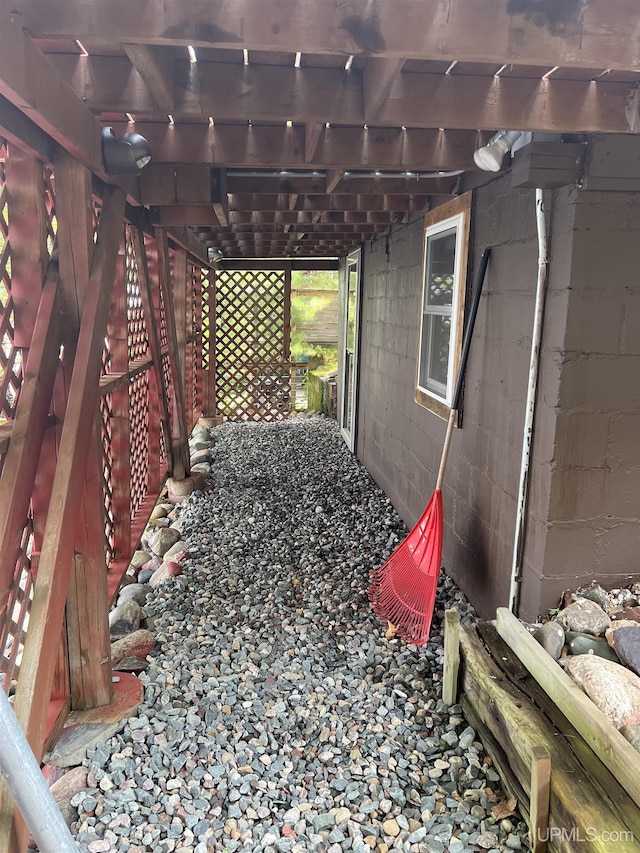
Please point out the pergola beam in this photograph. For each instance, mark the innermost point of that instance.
(571, 34)
(281, 147)
(156, 77)
(319, 95)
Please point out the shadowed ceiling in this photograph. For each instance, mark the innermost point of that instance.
(284, 128)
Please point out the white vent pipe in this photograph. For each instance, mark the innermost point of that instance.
(534, 362)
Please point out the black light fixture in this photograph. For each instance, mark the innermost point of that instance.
(124, 155)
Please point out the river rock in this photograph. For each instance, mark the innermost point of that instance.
(138, 645)
(162, 540)
(201, 456)
(177, 552)
(66, 787)
(139, 559)
(551, 638)
(134, 591)
(630, 614)
(166, 571)
(632, 733)
(584, 617)
(587, 644)
(178, 490)
(596, 593)
(125, 618)
(626, 644)
(610, 686)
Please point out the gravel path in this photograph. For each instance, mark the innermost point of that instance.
(276, 716)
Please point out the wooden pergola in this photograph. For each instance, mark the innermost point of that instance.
(282, 128)
(282, 131)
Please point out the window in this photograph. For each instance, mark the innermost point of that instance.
(444, 278)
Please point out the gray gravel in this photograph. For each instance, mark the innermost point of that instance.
(276, 716)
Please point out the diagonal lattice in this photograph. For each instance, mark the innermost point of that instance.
(10, 356)
(106, 440)
(137, 337)
(14, 631)
(253, 372)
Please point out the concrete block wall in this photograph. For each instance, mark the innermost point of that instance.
(594, 508)
(400, 442)
(583, 518)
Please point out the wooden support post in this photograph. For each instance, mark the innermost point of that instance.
(58, 544)
(451, 656)
(540, 794)
(28, 240)
(179, 436)
(157, 376)
(179, 293)
(87, 609)
(87, 606)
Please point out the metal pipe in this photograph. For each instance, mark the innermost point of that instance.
(28, 787)
(534, 363)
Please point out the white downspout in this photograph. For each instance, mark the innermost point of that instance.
(523, 488)
(28, 788)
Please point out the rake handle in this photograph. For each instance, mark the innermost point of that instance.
(464, 357)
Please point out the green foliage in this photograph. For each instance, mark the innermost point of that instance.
(314, 280)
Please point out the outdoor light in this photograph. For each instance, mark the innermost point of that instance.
(490, 157)
(124, 155)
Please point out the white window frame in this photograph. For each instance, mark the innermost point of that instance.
(454, 215)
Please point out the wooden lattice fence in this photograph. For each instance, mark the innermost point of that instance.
(252, 337)
(96, 361)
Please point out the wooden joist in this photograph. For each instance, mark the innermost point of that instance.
(577, 34)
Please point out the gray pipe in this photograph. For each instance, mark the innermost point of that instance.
(28, 788)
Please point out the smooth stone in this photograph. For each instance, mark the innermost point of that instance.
(551, 638)
(125, 619)
(66, 787)
(136, 645)
(177, 552)
(584, 617)
(630, 614)
(596, 593)
(626, 644)
(166, 571)
(390, 827)
(159, 511)
(632, 733)
(178, 490)
(139, 559)
(610, 686)
(162, 540)
(199, 456)
(586, 644)
(135, 591)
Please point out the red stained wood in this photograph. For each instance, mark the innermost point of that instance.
(157, 391)
(179, 421)
(28, 240)
(58, 544)
(29, 426)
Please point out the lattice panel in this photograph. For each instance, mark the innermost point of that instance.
(50, 209)
(196, 323)
(139, 439)
(207, 307)
(10, 365)
(137, 337)
(13, 633)
(253, 373)
(107, 468)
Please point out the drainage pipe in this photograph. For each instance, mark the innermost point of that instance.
(525, 462)
(28, 787)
